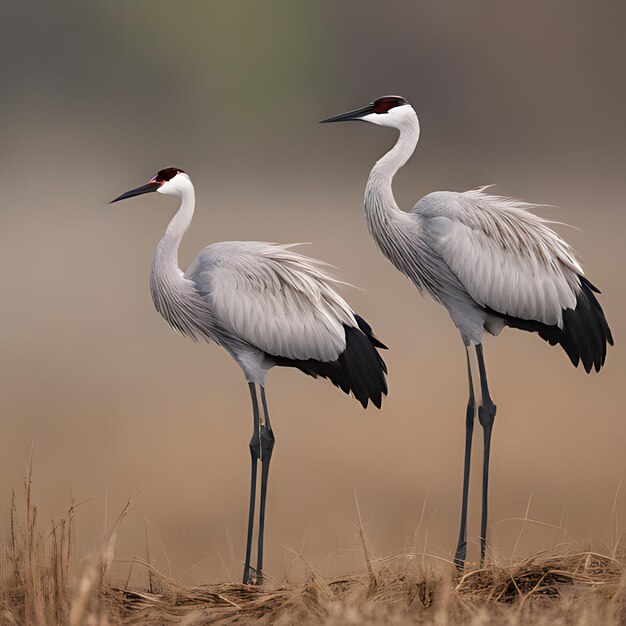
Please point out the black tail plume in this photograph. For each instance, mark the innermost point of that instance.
(359, 368)
(585, 333)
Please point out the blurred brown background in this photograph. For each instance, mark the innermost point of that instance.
(98, 96)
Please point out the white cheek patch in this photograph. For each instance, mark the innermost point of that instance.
(176, 185)
(169, 187)
(373, 118)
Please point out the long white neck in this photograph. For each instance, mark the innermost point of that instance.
(380, 205)
(175, 296)
(396, 233)
(166, 256)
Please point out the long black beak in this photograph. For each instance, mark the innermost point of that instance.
(357, 114)
(147, 188)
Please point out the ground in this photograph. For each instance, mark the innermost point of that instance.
(42, 583)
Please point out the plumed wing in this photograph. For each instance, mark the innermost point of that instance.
(506, 257)
(279, 301)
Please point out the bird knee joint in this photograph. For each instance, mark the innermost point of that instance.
(255, 447)
(487, 413)
(267, 441)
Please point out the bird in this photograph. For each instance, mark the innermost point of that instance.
(492, 263)
(266, 306)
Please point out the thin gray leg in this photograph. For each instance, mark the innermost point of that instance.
(486, 416)
(255, 450)
(461, 547)
(267, 445)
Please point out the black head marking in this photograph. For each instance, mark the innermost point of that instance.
(386, 103)
(167, 174)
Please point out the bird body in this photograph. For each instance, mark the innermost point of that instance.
(490, 262)
(266, 306)
(488, 259)
(262, 302)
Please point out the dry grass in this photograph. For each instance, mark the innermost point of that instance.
(549, 588)
(41, 584)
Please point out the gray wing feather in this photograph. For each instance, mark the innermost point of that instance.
(274, 299)
(506, 257)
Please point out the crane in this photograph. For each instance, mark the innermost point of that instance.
(266, 306)
(491, 263)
